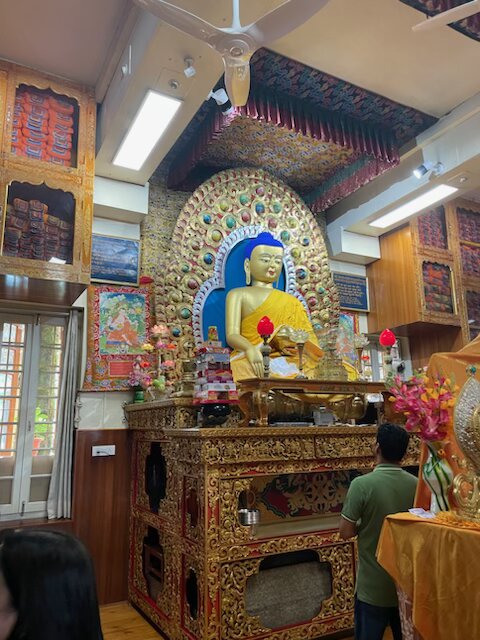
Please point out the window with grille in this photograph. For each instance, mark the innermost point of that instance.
(30, 371)
(373, 359)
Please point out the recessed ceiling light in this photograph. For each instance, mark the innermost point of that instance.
(414, 206)
(153, 117)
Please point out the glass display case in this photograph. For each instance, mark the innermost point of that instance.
(39, 223)
(47, 168)
(45, 126)
(473, 312)
(432, 229)
(438, 287)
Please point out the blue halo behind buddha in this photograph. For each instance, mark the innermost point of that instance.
(209, 303)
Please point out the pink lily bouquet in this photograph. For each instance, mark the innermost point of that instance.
(427, 403)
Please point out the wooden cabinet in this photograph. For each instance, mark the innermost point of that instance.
(47, 151)
(427, 283)
(467, 220)
(198, 570)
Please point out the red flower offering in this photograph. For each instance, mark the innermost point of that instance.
(265, 327)
(387, 338)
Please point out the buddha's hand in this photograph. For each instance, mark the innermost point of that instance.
(256, 360)
(284, 345)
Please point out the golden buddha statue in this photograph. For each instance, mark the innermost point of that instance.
(245, 306)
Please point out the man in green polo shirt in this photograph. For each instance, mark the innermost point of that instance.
(372, 497)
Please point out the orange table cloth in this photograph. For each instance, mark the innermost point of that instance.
(437, 566)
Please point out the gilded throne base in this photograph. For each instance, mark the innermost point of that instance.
(192, 562)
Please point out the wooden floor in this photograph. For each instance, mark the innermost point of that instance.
(121, 621)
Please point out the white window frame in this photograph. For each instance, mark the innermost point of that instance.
(400, 353)
(20, 505)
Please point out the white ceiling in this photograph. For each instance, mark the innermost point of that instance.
(366, 42)
(69, 38)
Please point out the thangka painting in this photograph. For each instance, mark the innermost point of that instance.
(118, 326)
(347, 328)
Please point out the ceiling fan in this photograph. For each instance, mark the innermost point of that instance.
(451, 15)
(237, 44)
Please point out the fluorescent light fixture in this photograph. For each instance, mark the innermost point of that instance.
(414, 206)
(153, 117)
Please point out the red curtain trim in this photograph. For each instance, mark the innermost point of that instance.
(348, 186)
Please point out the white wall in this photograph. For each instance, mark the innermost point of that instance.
(103, 409)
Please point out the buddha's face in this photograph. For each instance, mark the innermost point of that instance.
(265, 264)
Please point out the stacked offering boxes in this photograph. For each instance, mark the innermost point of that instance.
(32, 232)
(470, 260)
(473, 311)
(214, 376)
(468, 225)
(42, 127)
(438, 287)
(432, 229)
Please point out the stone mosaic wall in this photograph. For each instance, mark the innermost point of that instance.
(165, 207)
(157, 229)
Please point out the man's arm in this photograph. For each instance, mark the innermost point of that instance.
(347, 529)
(352, 510)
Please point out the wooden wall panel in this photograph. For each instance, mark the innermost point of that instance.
(422, 345)
(101, 507)
(392, 283)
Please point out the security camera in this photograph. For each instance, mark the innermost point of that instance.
(189, 69)
(221, 98)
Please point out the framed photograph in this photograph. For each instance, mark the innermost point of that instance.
(115, 260)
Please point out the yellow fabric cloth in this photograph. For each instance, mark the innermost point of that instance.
(283, 309)
(453, 366)
(436, 566)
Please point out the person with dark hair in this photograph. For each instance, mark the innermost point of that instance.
(370, 498)
(47, 587)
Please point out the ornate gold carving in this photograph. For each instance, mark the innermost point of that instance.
(193, 528)
(231, 531)
(169, 508)
(219, 464)
(167, 600)
(193, 624)
(178, 413)
(237, 623)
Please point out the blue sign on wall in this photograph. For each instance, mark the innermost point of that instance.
(352, 291)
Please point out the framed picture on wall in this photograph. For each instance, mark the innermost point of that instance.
(115, 260)
(118, 326)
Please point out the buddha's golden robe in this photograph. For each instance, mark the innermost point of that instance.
(283, 309)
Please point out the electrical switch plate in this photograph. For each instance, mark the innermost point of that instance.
(103, 451)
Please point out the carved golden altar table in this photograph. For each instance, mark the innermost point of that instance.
(193, 562)
(436, 566)
(254, 393)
